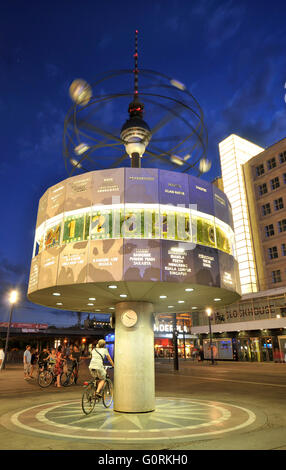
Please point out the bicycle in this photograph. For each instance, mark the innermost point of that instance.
(70, 377)
(89, 397)
(46, 376)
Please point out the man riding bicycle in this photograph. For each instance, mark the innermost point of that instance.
(96, 367)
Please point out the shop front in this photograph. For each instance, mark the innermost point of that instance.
(247, 346)
(256, 326)
(163, 338)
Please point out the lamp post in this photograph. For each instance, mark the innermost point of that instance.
(12, 299)
(209, 314)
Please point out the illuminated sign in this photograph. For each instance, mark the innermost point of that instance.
(168, 328)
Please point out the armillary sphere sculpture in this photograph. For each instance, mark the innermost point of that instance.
(173, 135)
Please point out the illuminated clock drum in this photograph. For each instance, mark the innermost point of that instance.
(149, 233)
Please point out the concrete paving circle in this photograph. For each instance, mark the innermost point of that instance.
(176, 419)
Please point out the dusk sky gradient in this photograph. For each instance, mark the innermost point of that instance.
(230, 54)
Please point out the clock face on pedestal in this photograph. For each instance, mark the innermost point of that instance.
(129, 318)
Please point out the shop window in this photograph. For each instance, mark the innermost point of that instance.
(269, 230)
(278, 204)
(273, 252)
(276, 276)
(271, 163)
(275, 183)
(266, 209)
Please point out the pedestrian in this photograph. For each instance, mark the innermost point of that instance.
(2, 355)
(27, 362)
(201, 354)
(75, 356)
(58, 369)
(34, 359)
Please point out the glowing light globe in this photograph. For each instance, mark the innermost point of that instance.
(205, 165)
(80, 91)
(81, 148)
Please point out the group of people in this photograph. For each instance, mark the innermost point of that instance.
(70, 355)
(55, 358)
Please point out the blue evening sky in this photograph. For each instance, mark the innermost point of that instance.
(230, 54)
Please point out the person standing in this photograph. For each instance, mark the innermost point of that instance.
(2, 355)
(27, 362)
(34, 360)
(58, 369)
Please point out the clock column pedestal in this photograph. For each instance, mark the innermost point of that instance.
(134, 373)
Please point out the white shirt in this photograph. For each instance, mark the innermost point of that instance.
(27, 355)
(96, 361)
(2, 355)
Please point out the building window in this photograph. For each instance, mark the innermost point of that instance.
(273, 252)
(269, 230)
(271, 163)
(278, 204)
(284, 178)
(282, 157)
(276, 276)
(266, 209)
(283, 249)
(262, 189)
(282, 225)
(275, 183)
(260, 169)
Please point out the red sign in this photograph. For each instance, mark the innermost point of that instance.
(37, 326)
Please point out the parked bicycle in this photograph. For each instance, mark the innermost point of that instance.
(90, 398)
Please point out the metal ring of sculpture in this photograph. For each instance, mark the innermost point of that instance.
(88, 146)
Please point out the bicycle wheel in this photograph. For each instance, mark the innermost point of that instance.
(45, 378)
(65, 379)
(107, 394)
(88, 400)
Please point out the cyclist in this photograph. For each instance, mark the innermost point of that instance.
(43, 359)
(96, 367)
(52, 358)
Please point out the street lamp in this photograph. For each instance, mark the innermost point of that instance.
(209, 314)
(12, 299)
